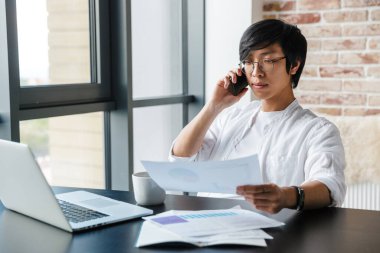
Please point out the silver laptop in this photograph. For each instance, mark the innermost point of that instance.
(24, 189)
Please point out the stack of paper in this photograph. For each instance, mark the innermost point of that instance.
(207, 227)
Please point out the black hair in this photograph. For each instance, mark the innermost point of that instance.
(270, 31)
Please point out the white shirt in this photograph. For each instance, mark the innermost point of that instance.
(251, 143)
(295, 145)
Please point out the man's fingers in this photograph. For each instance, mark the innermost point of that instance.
(259, 202)
(250, 189)
(226, 81)
(232, 76)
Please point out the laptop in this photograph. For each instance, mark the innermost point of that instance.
(24, 189)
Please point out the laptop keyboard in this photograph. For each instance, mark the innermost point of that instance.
(76, 214)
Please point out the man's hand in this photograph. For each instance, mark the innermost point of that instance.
(221, 97)
(268, 197)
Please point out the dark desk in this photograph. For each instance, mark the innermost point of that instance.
(326, 230)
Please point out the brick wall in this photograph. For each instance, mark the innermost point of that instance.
(342, 71)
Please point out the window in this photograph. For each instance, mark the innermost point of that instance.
(157, 72)
(61, 99)
(53, 42)
(64, 57)
(69, 149)
(156, 48)
(154, 130)
(167, 66)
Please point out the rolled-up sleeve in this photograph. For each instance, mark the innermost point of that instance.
(326, 160)
(173, 158)
(213, 135)
(207, 146)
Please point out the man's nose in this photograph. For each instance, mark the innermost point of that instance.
(256, 71)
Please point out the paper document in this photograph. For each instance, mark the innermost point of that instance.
(150, 234)
(211, 222)
(206, 228)
(207, 176)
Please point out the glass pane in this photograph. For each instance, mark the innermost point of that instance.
(156, 46)
(53, 41)
(69, 149)
(154, 129)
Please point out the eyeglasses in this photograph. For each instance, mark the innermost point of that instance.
(265, 65)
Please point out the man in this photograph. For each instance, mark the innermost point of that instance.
(301, 155)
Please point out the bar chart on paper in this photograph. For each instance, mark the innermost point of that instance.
(208, 215)
(208, 222)
(172, 219)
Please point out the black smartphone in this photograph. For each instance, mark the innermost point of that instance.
(241, 83)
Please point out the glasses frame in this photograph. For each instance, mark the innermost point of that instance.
(260, 64)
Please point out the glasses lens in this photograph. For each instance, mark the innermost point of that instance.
(247, 67)
(266, 66)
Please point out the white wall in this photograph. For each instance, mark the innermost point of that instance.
(226, 20)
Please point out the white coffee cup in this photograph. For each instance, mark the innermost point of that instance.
(146, 191)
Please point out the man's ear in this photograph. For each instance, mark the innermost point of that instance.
(294, 69)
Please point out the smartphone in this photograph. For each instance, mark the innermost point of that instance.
(241, 83)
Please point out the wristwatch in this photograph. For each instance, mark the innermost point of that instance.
(300, 198)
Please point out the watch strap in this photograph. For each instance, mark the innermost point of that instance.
(300, 198)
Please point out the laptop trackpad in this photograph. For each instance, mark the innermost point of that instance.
(99, 203)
